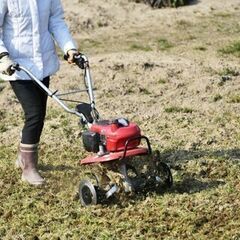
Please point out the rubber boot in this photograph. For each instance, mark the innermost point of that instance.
(27, 161)
(17, 162)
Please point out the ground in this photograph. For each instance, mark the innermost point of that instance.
(176, 73)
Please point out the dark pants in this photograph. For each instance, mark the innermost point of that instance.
(34, 101)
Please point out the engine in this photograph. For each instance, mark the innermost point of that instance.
(112, 136)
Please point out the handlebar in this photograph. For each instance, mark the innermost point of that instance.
(81, 61)
(47, 90)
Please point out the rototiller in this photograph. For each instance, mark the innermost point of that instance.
(117, 148)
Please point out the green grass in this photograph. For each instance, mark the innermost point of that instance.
(233, 49)
(217, 97)
(163, 44)
(178, 110)
(234, 99)
(200, 142)
(228, 71)
(203, 198)
(138, 47)
(162, 81)
(201, 48)
(183, 23)
(199, 200)
(144, 91)
(89, 45)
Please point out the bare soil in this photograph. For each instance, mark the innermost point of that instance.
(165, 69)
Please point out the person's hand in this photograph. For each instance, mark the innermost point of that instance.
(5, 65)
(74, 56)
(70, 54)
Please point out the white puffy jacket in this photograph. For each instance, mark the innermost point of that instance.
(28, 29)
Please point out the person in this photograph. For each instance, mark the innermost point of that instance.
(28, 32)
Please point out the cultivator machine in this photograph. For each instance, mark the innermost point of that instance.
(122, 159)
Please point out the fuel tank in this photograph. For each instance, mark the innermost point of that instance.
(115, 134)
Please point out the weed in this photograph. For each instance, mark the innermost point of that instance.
(163, 44)
(162, 81)
(2, 114)
(137, 47)
(53, 113)
(135, 34)
(102, 24)
(89, 44)
(178, 110)
(3, 128)
(229, 72)
(183, 23)
(148, 65)
(217, 97)
(234, 99)
(144, 91)
(191, 37)
(200, 48)
(233, 48)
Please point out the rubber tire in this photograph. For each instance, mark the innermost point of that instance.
(168, 182)
(87, 193)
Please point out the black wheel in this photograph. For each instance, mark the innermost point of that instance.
(163, 175)
(87, 193)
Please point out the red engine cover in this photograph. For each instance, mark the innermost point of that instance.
(116, 135)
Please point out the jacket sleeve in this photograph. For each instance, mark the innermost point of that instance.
(3, 11)
(58, 27)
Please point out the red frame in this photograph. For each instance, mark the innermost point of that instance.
(114, 155)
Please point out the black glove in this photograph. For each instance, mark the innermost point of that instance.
(74, 56)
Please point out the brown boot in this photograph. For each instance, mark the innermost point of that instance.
(27, 161)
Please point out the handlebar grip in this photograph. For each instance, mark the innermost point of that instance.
(15, 67)
(77, 59)
(80, 61)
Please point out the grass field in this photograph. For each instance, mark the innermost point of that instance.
(179, 80)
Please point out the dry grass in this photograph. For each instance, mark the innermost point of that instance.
(184, 95)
